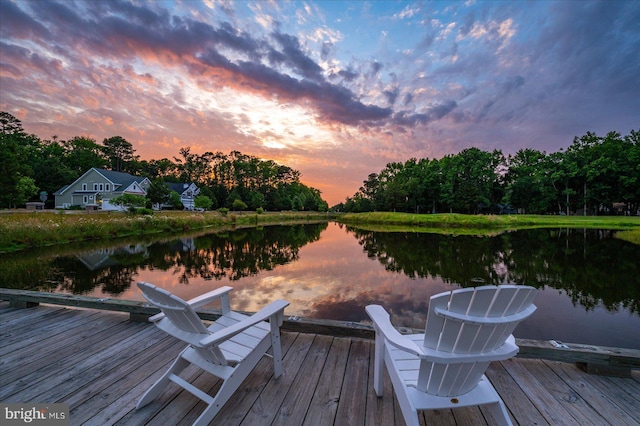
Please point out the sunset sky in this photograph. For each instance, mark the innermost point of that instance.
(333, 89)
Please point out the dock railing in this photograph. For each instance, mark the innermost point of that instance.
(592, 359)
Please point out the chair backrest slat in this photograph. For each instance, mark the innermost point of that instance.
(181, 321)
(181, 315)
(469, 321)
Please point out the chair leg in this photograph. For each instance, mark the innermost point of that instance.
(225, 392)
(499, 413)
(276, 349)
(378, 364)
(229, 387)
(178, 365)
(409, 412)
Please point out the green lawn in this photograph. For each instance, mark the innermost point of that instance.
(483, 224)
(21, 230)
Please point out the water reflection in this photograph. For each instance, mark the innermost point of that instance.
(114, 269)
(589, 281)
(590, 265)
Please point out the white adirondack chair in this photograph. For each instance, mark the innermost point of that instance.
(229, 348)
(444, 368)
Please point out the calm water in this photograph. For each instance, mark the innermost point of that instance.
(589, 281)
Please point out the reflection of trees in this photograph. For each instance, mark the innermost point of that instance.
(460, 260)
(590, 265)
(239, 254)
(233, 254)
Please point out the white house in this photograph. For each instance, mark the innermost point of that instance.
(187, 191)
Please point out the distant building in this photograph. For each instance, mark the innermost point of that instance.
(187, 191)
(96, 187)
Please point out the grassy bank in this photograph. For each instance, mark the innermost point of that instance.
(633, 235)
(22, 230)
(473, 224)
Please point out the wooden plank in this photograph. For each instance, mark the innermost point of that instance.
(588, 354)
(469, 416)
(175, 411)
(89, 375)
(31, 330)
(268, 403)
(72, 332)
(294, 407)
(433, 417)
(16, 315)
(55, 373)
(329, 327)
(103, 385)
(323, 407)
(380, 410)
(235, 410)
(103, 403)
(595, 357)
(625, 392)
(630, 385)
(601, 403)
(520, 408)
(351, 410)
(570, 400)
(121, 409)
(15, 295)
(19, 381)
(119, 379)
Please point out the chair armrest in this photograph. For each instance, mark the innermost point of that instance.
(209, 297)
(204, 299)
(271, 312)
(382, 324)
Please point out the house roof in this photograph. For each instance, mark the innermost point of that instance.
(61, 190)
(179, 187)
(120, 178)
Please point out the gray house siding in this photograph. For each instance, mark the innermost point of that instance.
(97, 187)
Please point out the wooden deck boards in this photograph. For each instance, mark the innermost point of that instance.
(100, 364)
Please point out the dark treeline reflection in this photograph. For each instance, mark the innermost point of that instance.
(231, 255)
(591, 266)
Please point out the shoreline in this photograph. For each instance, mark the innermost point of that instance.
(21, 229)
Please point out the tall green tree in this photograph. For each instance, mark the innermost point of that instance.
(17, 148)
(50, 167)
(158, 192)
(528, 182)
(119, 152)
(83, 153)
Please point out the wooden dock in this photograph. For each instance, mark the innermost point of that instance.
(100, 363)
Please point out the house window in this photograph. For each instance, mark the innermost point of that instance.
(84, 199)
(84, 186)
(101, 187)
(95, 186)
(107, 187)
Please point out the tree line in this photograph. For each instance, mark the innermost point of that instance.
(595, 175)
(29, 166)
